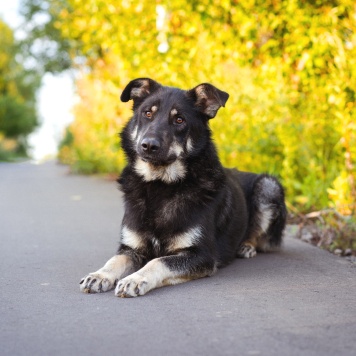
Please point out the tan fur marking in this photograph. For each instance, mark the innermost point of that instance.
(176, 149)
(189, 145)
(131, 238)
(246, 250)
(168, 174)
(186, 239)
(134, 133)
(105, 278)
(153, 275)
(201, 92)
(117, 265)
(141, 91)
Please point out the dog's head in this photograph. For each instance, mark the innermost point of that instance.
(168, 124)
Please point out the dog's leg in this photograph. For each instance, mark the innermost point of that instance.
(247, 249)
(106, 277)
(164, 271)
(257, 240)
(268, 217)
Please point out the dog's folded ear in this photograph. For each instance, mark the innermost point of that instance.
(208, 99)
(139, 89)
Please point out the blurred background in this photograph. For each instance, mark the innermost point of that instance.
(54, 94)
(289, 67)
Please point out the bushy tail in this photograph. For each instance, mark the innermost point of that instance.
(269, 208)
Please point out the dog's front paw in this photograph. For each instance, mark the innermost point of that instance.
(246, 251)
(97, 282)
(132, 286)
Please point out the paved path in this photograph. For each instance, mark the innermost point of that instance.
(56, 227)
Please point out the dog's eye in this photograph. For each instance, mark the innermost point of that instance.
(148, 114)
(179, 120)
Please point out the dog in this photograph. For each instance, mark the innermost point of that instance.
(185, 215)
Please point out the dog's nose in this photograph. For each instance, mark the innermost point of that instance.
(150, 145)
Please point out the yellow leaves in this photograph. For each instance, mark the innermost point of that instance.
(341, 196)
(288, 66)
(63, 13)
(6, 44)
(303, 60)
(301, 200)
(126, 4)
(66, 155)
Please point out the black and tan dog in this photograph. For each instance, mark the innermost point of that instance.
(185, 215)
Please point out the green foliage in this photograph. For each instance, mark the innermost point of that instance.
(289, 67)
(16, 117)
(17, 98)
(53, 53)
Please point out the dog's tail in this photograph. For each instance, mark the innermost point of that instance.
(269, 210)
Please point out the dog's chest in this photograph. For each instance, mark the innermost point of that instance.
(163, 208)
(158, 207)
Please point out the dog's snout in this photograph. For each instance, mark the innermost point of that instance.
(150, 145)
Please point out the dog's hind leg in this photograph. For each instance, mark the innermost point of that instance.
(247, 249)
(267, 217)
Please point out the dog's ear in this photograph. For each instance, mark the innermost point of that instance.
(208, 99)
(139, 89)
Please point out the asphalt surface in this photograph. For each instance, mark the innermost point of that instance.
(56, 227)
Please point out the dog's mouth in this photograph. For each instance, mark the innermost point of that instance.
(158, 162)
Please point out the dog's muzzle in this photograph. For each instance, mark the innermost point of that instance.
(150, 150)
(150, 145)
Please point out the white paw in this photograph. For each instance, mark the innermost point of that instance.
(246, 251)
(132, 286)
(97, 282)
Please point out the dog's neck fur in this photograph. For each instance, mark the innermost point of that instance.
(180, 170)
(171, 173)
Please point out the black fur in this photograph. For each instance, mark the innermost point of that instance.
(225, 204)
(185, 215)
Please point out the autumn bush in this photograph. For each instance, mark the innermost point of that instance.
(289, 67)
